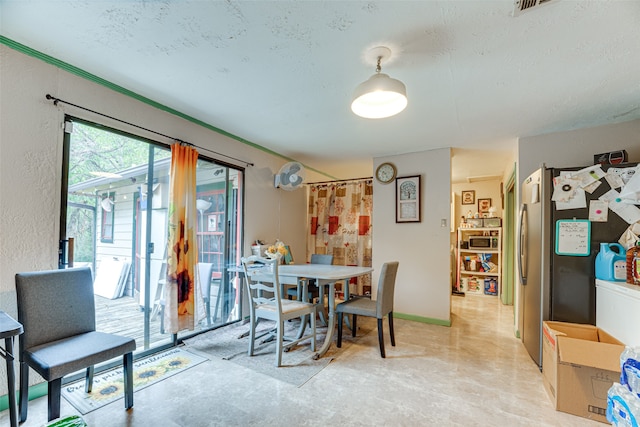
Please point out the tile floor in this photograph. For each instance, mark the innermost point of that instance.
(474, 373)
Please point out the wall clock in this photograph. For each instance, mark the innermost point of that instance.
(386, 173)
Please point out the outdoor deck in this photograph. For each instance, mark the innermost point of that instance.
(126, 317)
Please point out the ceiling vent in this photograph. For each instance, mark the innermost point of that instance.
(520, 6)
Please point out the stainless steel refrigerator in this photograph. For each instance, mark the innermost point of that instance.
(557, 287)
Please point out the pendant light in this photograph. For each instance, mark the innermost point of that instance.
(380, 96)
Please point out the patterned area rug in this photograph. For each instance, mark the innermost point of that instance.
(109, 386)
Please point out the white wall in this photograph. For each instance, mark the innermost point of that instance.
(577, 147)
(423, 289)
(31, 164)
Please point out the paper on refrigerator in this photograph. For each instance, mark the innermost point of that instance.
(626, 211)
(630, 193)
(598, 211)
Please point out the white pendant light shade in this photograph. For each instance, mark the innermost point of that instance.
(379, 97)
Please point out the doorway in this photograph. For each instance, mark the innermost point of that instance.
(509, 239)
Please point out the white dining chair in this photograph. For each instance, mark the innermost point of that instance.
(266, 302)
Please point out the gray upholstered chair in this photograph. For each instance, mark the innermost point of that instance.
(379, 308)
(266, 302)
(57, 310)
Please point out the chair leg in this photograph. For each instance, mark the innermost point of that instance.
(354, 325)
(53, 398)
(127, 363)
(88, 381)
(207, 309)
(23, 398)
(313, 331)
(252, 333)
(339, 343)
(381, 338)
(218, 298)
(279, 343)
(162, 318)
(393, 338)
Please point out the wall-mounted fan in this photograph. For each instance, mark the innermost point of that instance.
(290, 176)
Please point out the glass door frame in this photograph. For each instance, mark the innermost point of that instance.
(232, 231)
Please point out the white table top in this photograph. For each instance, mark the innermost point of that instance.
(323, 271)
(326, 273)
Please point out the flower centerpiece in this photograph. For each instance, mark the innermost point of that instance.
(275, 249)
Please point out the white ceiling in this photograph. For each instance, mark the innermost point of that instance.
(280, 73)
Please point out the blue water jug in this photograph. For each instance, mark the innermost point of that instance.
(611, 265)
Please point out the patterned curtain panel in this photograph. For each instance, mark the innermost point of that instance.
(340, 224)
(183, 297)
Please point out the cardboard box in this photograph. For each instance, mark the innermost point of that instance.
(579, 365)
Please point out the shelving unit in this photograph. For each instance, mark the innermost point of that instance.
(475, 276)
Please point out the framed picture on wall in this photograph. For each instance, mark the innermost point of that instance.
(468, 197)
(484, 205)
(408, 199)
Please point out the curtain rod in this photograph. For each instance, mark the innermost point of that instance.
(339, 180)
(57, 100)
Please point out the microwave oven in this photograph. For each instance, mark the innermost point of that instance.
(483, 242)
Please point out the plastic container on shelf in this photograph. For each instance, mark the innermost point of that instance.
(633, 265)
(463, 284)
(473, 285)
(490, 286)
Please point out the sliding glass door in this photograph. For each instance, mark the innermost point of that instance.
(114, 220)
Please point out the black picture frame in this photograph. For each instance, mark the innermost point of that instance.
(468, 197)
(408, 199)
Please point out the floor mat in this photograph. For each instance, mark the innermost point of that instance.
(109, 386)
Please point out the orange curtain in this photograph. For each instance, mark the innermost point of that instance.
(181, 310)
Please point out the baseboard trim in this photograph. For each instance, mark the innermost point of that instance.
(414, 318)
(35, 391)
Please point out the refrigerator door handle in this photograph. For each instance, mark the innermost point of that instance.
(522, 245)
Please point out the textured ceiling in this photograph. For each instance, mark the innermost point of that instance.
(280, 73)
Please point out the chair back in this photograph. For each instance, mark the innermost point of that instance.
(321, 259)
(205, 270)
(55, 304)
(386, 288)
(263, 284)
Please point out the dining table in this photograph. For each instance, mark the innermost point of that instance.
(325, 275)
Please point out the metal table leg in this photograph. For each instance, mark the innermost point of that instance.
(332, 322)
